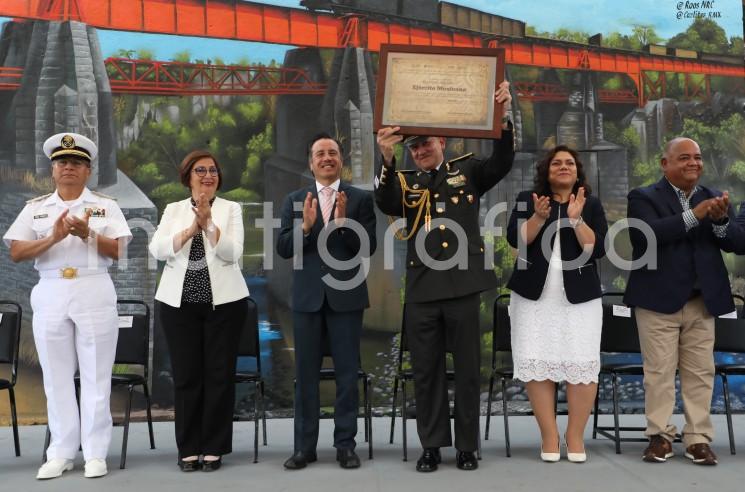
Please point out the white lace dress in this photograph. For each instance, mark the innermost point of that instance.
(552, 338)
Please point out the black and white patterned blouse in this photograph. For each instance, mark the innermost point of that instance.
(197, 287)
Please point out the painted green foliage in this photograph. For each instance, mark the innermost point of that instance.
(707, 36)
(237, 133)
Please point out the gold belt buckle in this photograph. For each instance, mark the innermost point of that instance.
(69, 273)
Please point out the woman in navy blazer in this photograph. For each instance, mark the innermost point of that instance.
(555, 308)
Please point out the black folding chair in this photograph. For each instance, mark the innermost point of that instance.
(249, 347)
(329, 374)
(132, 349)
(501, 363)
(620, 336)
(10, 338)
(730, 338)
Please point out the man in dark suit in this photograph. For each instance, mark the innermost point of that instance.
(442, 301)
(336, 223)
(676, 302)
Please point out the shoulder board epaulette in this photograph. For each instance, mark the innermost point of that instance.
(99, 194)
(460, 158)
(407, 171)
(39, 198)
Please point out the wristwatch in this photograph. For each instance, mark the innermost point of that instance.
(91, 235)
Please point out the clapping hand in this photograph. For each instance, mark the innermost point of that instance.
(61, 229)
(78, 227)
(718, 207)
(340, 211)
(310, 212)
(576, 204)
(541, 207)
(203, 211)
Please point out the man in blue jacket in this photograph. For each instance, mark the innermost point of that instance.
(676, 302)
(336, 223)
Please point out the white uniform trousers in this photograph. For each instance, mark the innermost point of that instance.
(76, 324)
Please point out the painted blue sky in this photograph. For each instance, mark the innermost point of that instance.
(591, 16)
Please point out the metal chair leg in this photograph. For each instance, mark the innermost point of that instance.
(616, 431)
(404, 408)
(478, 446)
(14, 420)
(123, 459)
(149, 415)
(368, 411)
(393, 407)
(506, 416)
(556, 398)
(728, 412)
(257, 417)
(488, 407)
(595, 416)
(364, 402)
(47, 440)
(263, 411)
(77, 399)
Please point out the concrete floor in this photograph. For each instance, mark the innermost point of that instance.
(156, 470)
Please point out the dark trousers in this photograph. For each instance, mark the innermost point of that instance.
(203, 345)
(342, 330)
(431, 329)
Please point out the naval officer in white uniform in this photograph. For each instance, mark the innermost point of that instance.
(73, 235)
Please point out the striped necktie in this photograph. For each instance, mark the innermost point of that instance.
(327, 203)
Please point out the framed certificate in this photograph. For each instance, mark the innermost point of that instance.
(440, 91)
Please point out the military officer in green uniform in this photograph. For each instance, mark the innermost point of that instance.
(445, 273)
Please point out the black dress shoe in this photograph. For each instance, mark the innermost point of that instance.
(300, 460)
(466, 460)
(189, 466)
(429, 460)
(347, 458)
(212, 465)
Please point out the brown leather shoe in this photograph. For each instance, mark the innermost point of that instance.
(658, 451)
(701, 454)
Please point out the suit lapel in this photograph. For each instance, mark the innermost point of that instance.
(669, 195)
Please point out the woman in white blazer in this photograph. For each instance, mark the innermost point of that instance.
(202, 300)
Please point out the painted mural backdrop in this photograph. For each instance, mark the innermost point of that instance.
(252, 81)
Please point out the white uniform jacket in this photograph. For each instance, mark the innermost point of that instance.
(37, 218)
(223, 259)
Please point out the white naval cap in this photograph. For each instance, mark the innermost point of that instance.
(63, 144)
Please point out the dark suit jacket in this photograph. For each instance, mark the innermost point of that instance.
(683, 258)
(309, 290)
(580, 284)
(459, 203)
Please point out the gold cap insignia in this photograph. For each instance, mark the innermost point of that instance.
(68, 142)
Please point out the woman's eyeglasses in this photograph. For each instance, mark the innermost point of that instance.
(202, 171)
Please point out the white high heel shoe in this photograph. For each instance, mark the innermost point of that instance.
(575, 457)
(551, 457)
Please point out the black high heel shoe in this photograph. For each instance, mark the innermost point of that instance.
(189, 466)
(213, 465)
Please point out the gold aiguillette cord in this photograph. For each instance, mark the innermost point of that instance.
(421, 203)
